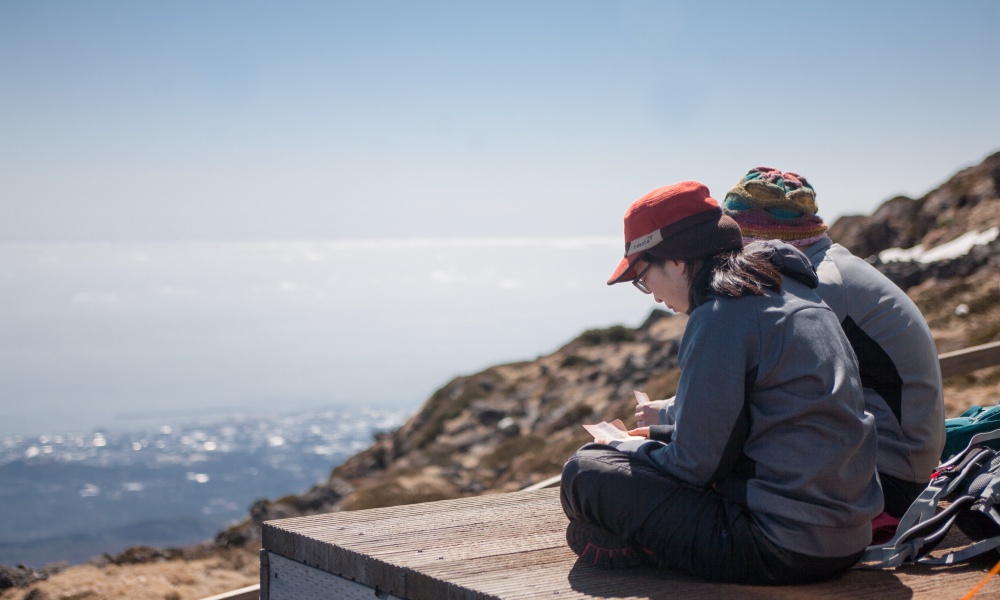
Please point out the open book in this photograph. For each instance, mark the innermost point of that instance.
(616, 430)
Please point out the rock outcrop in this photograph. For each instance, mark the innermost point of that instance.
(969, 201)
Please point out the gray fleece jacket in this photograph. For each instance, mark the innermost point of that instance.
(770, 411)
(899, 366)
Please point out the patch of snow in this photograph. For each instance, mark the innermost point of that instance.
(960, 246)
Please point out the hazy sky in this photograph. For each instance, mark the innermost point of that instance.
(241, 120)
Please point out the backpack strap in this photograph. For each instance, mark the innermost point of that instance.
(989, 497)
(944, 481)
(922, 527)
(981, 438)
(909, 545)
(964, 554)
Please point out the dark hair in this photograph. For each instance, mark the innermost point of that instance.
(730, 274)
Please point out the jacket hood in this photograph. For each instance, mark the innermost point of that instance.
(789, 260)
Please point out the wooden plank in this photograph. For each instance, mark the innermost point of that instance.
(265, 574)
(369, 546)
(967, 360)
(291, 580)
(250, 592)
(512, 546)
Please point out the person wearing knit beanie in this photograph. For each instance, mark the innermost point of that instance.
(894, 346)
(769, 442)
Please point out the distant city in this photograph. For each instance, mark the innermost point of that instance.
(73, 496)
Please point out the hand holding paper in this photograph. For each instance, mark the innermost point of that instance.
(615, 430)
(651, 412)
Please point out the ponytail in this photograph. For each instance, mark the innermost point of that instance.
(733, 274)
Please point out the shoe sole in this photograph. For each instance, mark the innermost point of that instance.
(600, 548)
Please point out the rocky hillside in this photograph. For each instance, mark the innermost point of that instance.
(513, 425)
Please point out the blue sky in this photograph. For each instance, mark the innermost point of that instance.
(241, 120)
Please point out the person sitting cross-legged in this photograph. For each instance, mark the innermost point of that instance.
(767, 473)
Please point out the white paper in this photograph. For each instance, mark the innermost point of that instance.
(607, 431)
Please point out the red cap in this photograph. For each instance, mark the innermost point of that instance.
(675, 222)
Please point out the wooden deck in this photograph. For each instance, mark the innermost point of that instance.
(512, 546)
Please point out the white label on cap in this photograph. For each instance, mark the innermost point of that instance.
(644, 243)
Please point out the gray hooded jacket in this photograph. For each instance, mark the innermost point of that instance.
(770, 412)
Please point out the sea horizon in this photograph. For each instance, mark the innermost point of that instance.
(99, 333)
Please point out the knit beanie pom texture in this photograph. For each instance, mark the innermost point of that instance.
(769, 204)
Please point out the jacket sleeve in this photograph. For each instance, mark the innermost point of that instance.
(712, 413)
(667, 409)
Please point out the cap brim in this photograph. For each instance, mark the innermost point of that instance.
(625, 271)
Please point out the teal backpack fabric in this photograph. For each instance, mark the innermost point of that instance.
(959, 430)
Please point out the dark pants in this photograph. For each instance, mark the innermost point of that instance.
(899, 494)
(685, 527)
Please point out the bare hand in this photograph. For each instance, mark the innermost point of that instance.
(649, 413)
(640, 431)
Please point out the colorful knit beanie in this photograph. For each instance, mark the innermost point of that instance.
(675, 222)
(769, 204)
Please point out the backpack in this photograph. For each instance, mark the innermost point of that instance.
(970, 482)
(959, 430)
